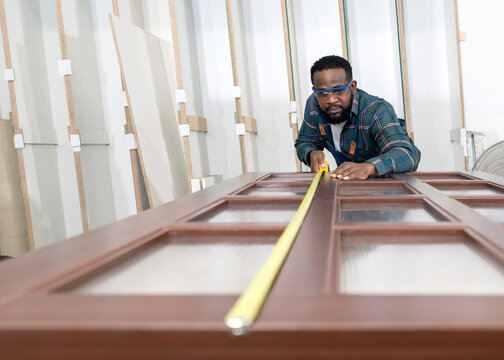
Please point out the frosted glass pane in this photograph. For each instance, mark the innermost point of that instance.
(420, 269)
(471, 191)
(177, 269)
(388, 215)
(290, 177)
(262, 213)
(374, 190)
(441, 176)
(276, 191)
(495, 214)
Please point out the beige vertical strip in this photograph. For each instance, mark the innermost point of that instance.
(180, 86)
(290, 79)
(459, 58)
(13, 236)
(115, 7)
(72, 129)
(17, 129)
(131, 129)
(238, 116)
(344, 38)
(461, 84)
(404, 68)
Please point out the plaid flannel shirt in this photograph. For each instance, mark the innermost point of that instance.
(380, 139)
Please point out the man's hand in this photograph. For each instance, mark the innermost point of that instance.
(317, 158)
(351, 170)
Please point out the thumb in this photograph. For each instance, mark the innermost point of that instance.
(321, 158)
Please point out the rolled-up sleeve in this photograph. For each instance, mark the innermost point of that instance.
(397, 152)
(309, 136)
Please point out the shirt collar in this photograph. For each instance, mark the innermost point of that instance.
(355, 104)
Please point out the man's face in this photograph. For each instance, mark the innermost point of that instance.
(336, 106)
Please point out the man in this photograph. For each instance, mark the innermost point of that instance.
(361, 131)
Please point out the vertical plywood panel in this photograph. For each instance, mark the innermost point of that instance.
(403, 65)
(34, 113)
(236, 81)
(142, 200)
(374, 49)
(314, 39)
(245, 49)
(5, 106)
(182, 113)
(433, 82)
(132, 10)
(59, 111)
(149, 71)
(89, 117)
(73, 130)
(290, 77)
(216, 79)
(13, 234)
(481, 66)
(192, 83)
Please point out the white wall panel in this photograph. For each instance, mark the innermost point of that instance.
(374, 49)
(214, 57)
(131, 10)
(59, 110)
(192, 83)
(267, 84)
(433, 82)
(88, 105)
(27, 40)
(482, 70)
(317, 34)
(113, 110)
(149, 71)
(157, 21)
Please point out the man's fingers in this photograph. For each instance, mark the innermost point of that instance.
(349, 171)
(354, 173)
(346, 174)
(317, 158)
(341, 169)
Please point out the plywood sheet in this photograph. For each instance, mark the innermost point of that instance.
(149, 70)
(88, 106)
(5, 107)
(27, 42)
(13, 235)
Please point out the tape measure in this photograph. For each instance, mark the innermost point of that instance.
(245, 310)
(324, 168)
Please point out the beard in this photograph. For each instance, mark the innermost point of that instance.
(344, 116)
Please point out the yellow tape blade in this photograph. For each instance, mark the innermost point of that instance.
(248, 305)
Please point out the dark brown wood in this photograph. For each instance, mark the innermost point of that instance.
(304, 316)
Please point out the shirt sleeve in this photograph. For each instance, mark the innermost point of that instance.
(309, 135)
(397, 152)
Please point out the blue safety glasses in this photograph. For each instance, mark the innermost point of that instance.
(334, 91)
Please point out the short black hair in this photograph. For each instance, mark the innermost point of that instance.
(332, 62)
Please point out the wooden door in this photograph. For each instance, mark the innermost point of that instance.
(405, 267)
